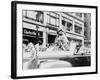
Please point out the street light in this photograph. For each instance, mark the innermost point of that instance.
(37, 37)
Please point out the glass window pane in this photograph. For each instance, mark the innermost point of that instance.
(47, 19)
(35, 15)
(31, 14)
(39, 16)
(63, 22)
(69, 26)
(79, 15)
(53, 21)
(78, 29)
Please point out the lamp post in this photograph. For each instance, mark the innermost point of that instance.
(37, 46)
(37, 37)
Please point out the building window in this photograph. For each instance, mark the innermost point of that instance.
(76, 14)
(67, 25)
(78, 29)
(53, 19)
(39, 16)
(79, 14)
(63, 22)
(35, 15)
(85, 24)
(85, 35)
(85, 15)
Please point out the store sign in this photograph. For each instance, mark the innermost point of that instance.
(31, 32)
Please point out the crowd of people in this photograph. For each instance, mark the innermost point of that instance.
(30, 57)
(30, 51)
(61, 43)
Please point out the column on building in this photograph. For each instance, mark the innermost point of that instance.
(83, 35)
(44, 39)
(60, 21)
(44, 32)
(83, 30)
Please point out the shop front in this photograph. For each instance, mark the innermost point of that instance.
(30, 35)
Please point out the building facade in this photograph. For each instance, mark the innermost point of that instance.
(47, 23)
(87, 30)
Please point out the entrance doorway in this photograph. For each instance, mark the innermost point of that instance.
(51, 38)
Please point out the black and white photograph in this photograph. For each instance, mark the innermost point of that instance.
(53, 39)
(62, 39)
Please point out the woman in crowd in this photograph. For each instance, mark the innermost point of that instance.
(30, 57)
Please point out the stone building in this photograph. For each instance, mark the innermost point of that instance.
(47, 23)
(87, 30)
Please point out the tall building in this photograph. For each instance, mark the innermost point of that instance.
(87, 29)
(47, 23)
